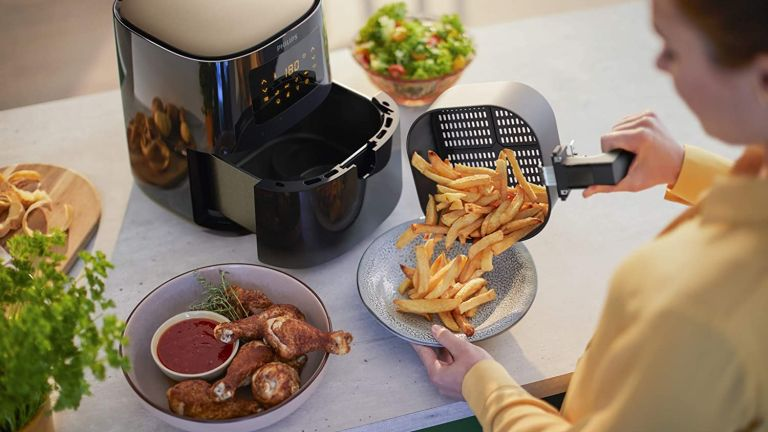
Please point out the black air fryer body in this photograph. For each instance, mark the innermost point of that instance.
(271, 146)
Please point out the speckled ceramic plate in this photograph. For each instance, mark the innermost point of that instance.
(378, 276)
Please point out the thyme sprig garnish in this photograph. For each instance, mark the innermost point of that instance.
(219, 298)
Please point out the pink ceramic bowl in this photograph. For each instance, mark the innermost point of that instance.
(174, 297)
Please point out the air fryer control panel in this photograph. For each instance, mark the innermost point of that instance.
(289, 76)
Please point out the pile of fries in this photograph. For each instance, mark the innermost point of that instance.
(472, 204)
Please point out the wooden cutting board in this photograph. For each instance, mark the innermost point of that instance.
(66, 186)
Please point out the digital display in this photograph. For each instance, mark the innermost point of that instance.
(287, 78)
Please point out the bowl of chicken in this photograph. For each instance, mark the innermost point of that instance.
(285, 340)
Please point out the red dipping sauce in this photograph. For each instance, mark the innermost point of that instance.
(189, 347)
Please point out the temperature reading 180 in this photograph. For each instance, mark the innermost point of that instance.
(289, 70)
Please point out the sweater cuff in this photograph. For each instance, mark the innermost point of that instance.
(485, 377)
(699, 170)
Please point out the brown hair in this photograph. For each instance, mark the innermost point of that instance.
(737, 29)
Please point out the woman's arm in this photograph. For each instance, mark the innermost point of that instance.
(669, 373)
(501, 404)
(660, 160)
(699, 170)
(462, 369)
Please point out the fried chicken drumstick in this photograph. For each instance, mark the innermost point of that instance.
(253, 300)
(252, 327)
(297, 363)
(250, 358)
(274, 382)
(193, 399)
(291, 338)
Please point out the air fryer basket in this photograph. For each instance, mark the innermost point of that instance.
(472, 124)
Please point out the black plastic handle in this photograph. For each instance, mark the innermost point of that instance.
(579, 172)
(375, 155)
(601, 169)
(621, 164)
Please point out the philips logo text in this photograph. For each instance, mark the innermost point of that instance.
(284, 44)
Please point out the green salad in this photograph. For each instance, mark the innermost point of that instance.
(395, 45)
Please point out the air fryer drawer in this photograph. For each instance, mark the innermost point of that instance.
(307, 194)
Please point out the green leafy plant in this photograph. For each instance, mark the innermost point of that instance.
(52, 328)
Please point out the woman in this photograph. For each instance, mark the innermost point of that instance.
(682, 344)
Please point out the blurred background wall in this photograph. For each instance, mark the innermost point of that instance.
(58, 49)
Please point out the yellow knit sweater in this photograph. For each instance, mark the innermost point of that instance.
(682, 344)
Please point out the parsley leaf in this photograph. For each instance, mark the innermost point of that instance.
(52, 328)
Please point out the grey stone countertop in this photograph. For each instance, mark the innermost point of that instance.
(593, 66)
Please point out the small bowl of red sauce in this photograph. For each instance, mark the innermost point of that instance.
(184, 346)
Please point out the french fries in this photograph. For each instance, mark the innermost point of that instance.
(486, 260)
(431, 212)
(510, 240)
(471, 228)
(470, 288)
(405, 285)
(425, 228)
(421, 277)
(468, 170)
(406, 237)
(408, 271)
(471, 313)
(452, 291)
(501, 176)
(477, 180)
(427, 306)
(519, 224)
(448, 321)
(477, 301)
(484, 242)
(447, 280)
(474, 204)
(449, 218)
(438, 263)
(432, 288)
(460, 223)
(442, 167)
(463, 323)
(512, 158)
(469, 269)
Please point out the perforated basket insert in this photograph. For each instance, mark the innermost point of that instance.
(476, 135)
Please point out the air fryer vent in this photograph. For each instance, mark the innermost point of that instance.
(474, 136)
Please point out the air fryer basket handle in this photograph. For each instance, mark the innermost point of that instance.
(379, 146)
(579, 172)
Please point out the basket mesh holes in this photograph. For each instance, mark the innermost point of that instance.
(474, 136)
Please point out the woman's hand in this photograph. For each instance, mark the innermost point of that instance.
(658, 156)
(448, 366)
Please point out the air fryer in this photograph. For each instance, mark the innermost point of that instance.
(233, 121)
